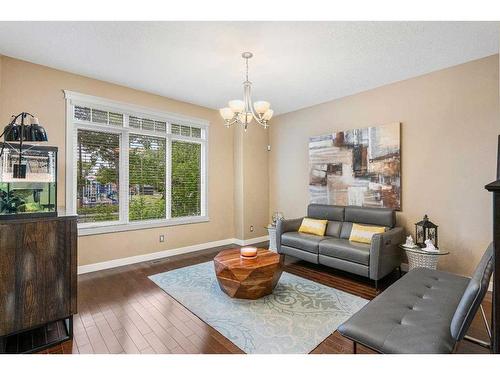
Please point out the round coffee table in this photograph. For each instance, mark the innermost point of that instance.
(248, 278)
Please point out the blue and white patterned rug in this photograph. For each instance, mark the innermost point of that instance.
(296, 318)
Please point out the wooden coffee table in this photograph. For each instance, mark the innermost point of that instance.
(248, 278)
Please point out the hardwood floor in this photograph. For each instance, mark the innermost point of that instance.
(122, 311)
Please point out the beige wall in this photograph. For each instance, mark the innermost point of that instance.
(38, 89)
(251, 207)
(450, 122)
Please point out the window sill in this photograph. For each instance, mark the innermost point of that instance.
(89, 229)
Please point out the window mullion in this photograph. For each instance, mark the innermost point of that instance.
(168, 177)
(124, 178)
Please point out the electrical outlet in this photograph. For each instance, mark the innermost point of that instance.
(251, 228)
(162, 238)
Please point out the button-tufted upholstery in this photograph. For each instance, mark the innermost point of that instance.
(413, 315)
(426, 311)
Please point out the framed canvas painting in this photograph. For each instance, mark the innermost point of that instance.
(359, 167)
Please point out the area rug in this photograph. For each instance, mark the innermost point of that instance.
(296, 318)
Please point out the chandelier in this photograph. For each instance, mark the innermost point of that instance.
(243, 111)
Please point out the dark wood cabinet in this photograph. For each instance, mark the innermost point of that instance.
(38, 272)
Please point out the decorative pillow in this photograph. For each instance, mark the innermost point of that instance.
(313, 226)
(364, 233)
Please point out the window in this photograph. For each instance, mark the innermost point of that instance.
(147, 177)
(129, 167)
(97, 176)
(186, 182)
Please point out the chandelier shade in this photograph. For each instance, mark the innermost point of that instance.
(261, 107)
(237, 106)
(268, 114)
(226, 113)
(242, 112)
(247, 120)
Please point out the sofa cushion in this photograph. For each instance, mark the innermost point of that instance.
(364, 233)
(366, 215)
(326, 212)
(346, 230)
(413, 315)
(333, 228)
(313, 226)
(344, 249)
(303, 241)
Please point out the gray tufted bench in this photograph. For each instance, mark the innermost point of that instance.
(426, 311)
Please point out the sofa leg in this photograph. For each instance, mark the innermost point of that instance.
(376, 287)
(400, 272)
(354, 347)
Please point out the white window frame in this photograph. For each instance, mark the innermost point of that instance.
(123, 224)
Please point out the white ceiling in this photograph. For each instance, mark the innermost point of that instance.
(296, 64)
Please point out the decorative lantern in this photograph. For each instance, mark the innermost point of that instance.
(426, 230)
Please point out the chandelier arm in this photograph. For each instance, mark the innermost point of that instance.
(233, 121)
(249, 104)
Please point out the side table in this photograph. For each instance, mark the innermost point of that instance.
(421, 258)
(271, 229)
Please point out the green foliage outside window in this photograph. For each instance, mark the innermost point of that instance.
(98, 165)
(186, 179)
(146, 177)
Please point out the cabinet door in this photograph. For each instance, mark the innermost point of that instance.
(35, 263)
(8, 240)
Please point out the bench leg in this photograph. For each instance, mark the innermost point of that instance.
(354, 347)
(482, 343)
(400, 272)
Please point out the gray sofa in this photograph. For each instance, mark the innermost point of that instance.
(334, 249)
(426, 311)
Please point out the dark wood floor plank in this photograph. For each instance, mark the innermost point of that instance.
(126, 342)
(156, 343)
(96, 340)
(108, 336)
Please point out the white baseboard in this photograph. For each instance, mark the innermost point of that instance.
(251, 240)
(166, 253)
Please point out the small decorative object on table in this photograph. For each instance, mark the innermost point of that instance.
(277, 216)
(429, 246)
(248, 252)
(426, 230)
(410, 244)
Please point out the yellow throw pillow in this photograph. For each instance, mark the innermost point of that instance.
(313, 226)
(364, 233)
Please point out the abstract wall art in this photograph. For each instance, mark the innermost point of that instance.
(359, 167)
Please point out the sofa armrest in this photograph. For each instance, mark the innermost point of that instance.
(283, 226)
(385, 254)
